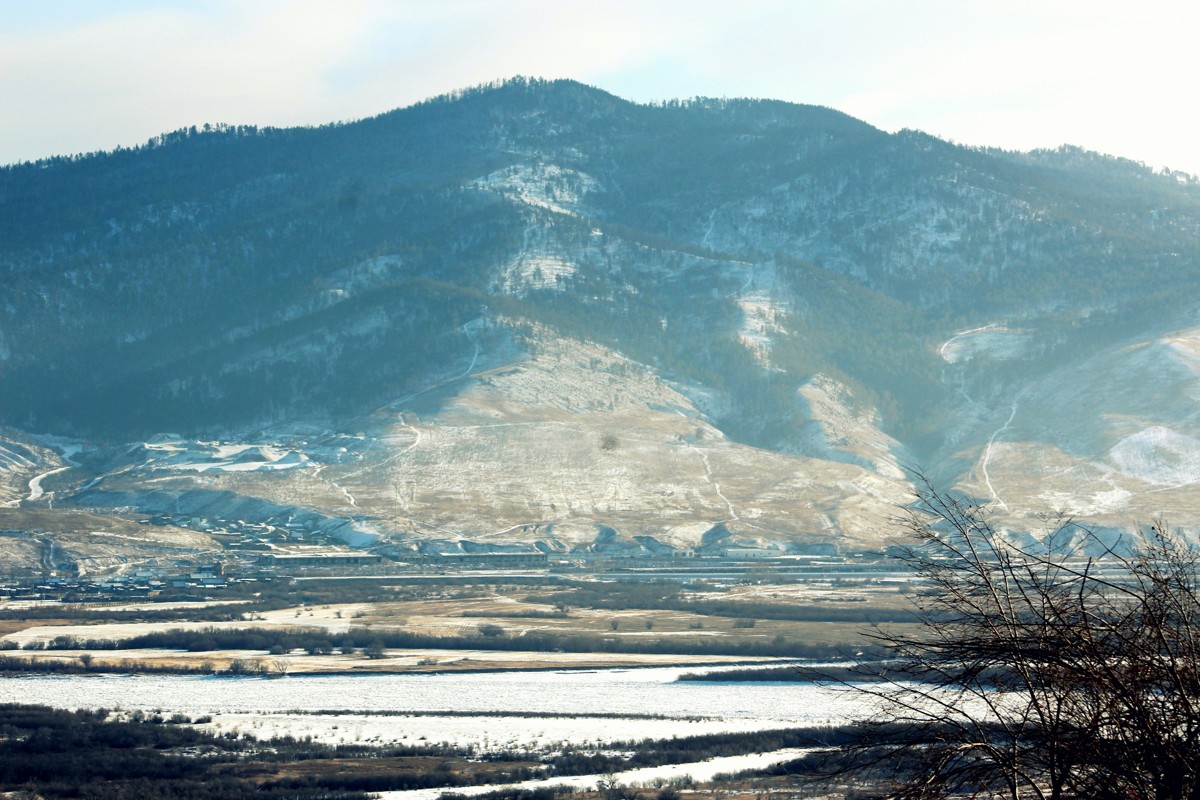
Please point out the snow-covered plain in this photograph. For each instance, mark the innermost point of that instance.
(493, 711)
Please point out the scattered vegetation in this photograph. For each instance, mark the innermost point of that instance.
(68, 754)
(769, 674)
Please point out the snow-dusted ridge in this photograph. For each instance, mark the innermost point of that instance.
(195, 456)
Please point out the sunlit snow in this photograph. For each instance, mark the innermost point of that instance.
(1160, 456)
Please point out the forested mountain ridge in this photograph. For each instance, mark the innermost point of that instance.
(787, 276)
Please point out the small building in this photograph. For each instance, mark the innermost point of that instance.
(319, 559)
(491, 560)
(748, 553)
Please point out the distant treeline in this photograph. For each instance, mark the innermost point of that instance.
(266, 595)
(70, 754)
(863, 670)
(513, 793)
(620, 756)
(79, 613)
(768, 674)
(90, 754)
(669, 595)
(78, 667)
(279, 641)
(445, 774)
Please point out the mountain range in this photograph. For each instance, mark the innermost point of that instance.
(533, 314)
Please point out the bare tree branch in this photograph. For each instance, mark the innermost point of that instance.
(1037, 674)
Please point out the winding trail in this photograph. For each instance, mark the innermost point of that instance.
(708, 476)
(960, 334)
(746, 285)
(36, 492)
(513, 270)
(416, 436)
(708, 233)
(35, 485)
(466, 327)
(987, 452)
(345, 492)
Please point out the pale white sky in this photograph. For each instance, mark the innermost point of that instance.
(82, 75)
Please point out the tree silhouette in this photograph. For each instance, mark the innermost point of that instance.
(1039, 675)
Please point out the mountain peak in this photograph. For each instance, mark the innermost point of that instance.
(773, 277)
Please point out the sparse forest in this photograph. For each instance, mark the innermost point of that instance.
(224, 275)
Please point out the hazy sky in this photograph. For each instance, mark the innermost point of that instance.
(81, 75)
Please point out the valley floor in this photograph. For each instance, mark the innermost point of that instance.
(467, 684)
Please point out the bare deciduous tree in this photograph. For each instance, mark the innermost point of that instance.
(1037, 674)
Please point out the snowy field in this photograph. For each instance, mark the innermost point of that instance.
(494, 711)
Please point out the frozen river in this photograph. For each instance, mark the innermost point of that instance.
(649, 776)
(500, 710)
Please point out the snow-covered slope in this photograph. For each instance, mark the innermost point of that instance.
(538, 311)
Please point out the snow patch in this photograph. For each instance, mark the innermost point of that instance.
(1186, 347)
(547, 186)
(538, 272)
(1158, 455)
(179, 455)
(1079, 505)
(762, 312)
(760, 319)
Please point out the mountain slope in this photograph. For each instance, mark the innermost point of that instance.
(818, 298)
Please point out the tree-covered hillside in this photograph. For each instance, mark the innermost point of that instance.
(219, 277)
